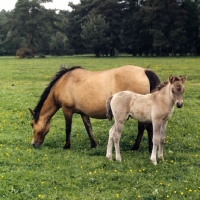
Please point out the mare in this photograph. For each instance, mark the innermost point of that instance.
(156, 108)
(77, 90)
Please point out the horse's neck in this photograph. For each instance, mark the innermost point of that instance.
(49, 108)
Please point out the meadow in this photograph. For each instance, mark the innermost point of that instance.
(81, 173)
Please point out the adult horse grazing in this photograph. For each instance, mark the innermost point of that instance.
(77, 90)
(156, 107)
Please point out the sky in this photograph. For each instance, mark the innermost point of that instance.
(57, 4)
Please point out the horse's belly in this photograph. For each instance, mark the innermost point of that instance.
(89, 109)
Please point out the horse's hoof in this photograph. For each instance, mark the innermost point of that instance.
(94, 145)
(150, 150)
(134, 148)
(66, 146)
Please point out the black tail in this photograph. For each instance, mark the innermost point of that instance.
(153, 79)
(109, 114)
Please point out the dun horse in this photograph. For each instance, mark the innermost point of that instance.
(156, 107)
(77, 90)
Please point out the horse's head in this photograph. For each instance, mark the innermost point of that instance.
(40, 129)
(177, 89)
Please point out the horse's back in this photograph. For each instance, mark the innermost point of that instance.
(87, 91)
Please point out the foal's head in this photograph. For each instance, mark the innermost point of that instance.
(177, 89)
(40, 129)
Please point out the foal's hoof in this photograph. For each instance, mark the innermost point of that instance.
(161, 158)
(109, 157)
(153, 161)
(118, 159)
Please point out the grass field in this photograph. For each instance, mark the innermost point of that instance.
(81, 173)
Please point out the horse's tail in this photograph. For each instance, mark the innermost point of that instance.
(153, 79)
(109, 114)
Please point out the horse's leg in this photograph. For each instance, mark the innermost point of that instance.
(162, 140)
(156, 141)
(68, 126)
(110, 144)
(149, 128)
(141, 128)
(88, 127)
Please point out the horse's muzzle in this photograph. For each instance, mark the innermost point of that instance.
(35, 144)
(179, 104)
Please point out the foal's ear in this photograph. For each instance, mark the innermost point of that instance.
(31, 111)
(171, 79)
(183, 79)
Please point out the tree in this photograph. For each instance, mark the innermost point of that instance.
(110, 10)
(31, 23)
(94, 34)
(136, 30)
(5, 46)
(58, 44)
(166, 21)
(192, 24)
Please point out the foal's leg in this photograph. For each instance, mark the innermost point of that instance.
(162, 140)
(88, 127)
(110, 143)
(116, 139)
(114, 136)
(156, 141)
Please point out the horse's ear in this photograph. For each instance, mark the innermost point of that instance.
(183, 79)
(31, 111)
(171, 79)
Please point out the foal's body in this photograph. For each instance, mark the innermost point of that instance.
(156, 107)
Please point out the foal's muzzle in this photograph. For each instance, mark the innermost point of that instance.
(179, 104)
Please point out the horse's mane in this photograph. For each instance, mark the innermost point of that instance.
(161, 85)
(63, 70)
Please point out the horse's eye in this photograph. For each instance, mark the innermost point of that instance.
(173, 91)
(31, 125)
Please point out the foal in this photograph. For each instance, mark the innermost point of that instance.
(156, 107)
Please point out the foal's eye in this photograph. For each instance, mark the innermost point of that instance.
(173, 91)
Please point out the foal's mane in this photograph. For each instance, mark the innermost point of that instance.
(160, 86)
(63, 70)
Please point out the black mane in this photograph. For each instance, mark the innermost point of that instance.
(45, 93)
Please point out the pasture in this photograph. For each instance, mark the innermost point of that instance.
(52, 173)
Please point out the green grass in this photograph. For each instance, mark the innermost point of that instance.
(81, 173)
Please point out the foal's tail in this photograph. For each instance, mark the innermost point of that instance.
(109, 114)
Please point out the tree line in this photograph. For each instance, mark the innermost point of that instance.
(138, 27)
